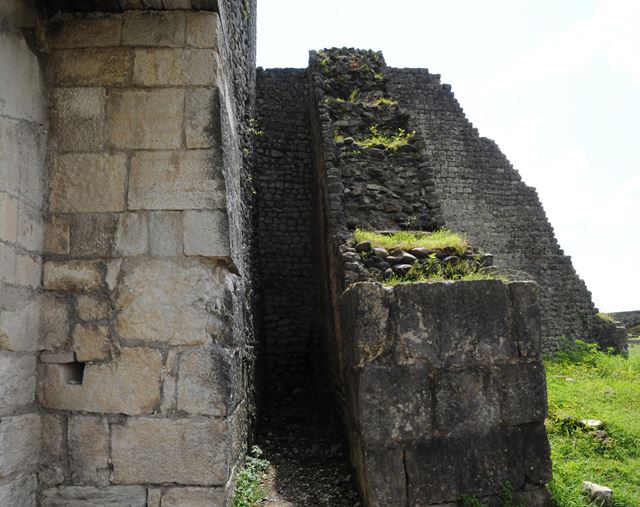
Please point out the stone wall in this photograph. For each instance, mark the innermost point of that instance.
(446, 392)
(628, 319)
(144, 375)
(23, 119)
(483, 196)
(284, 187)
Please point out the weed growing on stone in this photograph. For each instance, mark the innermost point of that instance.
(353, 96)
(378, 76)
(389, 141)
(605, 316)
(406, 240)
(585, 383)
(384, 101)
(249, 490)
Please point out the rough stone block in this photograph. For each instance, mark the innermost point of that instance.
(393, 404)
(176, 180)
(90, 67)
(182, 451)
(53, 436)
(526, 319)
(19, 314)
(146, 28)
(165, 233)
(88, 182)
(384, 479)
(20, 492)
(202, 118)
(174, 67)
(8, 218)
(210, 382)
(523, 391)
(90, 307)
(92, 234)
(537, 454)
(17, 380)
(19, 444)
(73, 275)
(30, 231)
(153, 497)
(54, 322)
(86, 31)
(88, 449)
(193, 497)
(91, 342)
(133, 234)
(88, 496)
(166, 300)
(77, 118)
(28, 269)
(202, 29)
(206, 233)
(130, 384)
(145, 119)
(57, 235)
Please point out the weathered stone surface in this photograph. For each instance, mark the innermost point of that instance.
(183, 451)
(165, 233)
(8, 217)
(72, 275)
(91, 342)
(97, 30)
(54, 322)
(147, 28)
(19, 443)
(53, 436)
(20, 492)
(202, 29)
(537, 454)
(92, 307)
(601, 496)
(153, 497)
(202, 118)
(77, 118)
(147, 287)
(88, 182)
(388, 488)
(19, 314)
(176, 180)
(523, 393)
(30, 232)
(206, 233)
(193, 497)
(145, 119)
(92, 234)
(56, 235)
(88, 449)
(394, 404)
(174, 67)
(526, 318)
(17, 380)
(88, 496)
(90, 67)
(130, 384)
(133, 234)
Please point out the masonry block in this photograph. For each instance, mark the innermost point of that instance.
(148, 28)
(90, 67)
(176, 180)
(89, 496)
(132, 237)
(523, 392)
(19, 315)
(91, 342)
(69, 31)
(17, 380)
(30, 230)
(19, 444)
(87, 182)
(183, 451)
(20, 492)
(174, 67)
(77, 118)
(88, 439)
(92, 234)
(73, 275)
(145, 119)
(92, 307)
(8, 218)
(202, 118)
(165, 233)
(193, 497)
(105, 387)
(206, 233)
(54, 322)
(202, 29)
(56, 235)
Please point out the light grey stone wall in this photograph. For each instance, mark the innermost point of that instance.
(141, 377)
(23, 118)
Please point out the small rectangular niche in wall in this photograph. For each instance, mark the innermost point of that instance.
(74, 373)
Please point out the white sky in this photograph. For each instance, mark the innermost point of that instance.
(556, 83)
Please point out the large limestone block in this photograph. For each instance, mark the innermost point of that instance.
(19, 314)
(90, 67)
(132, 237)
(202, 29)
(182, 451)
(57, 235)
(20, 492)
(30, 230)
(89, 450)
(90, 307)
(86, 182)
(202, 118)
(174, 67)
(70, 31)
(17, 380)
(145, 119)
(53, 450)
(8, 218)
(166, 300)
(381, 471)
(19, 444)
(165, 233)
(72, 275)
(93, 234)
(206, 233)
(91, 342)
(176, 180)
(54, 322)
(148, 28)
(523, 391)
(193, 497)
(526, 318)
(77, 118)
(88, 496)
(130, 384)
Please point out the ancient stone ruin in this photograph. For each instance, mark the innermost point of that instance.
(177, 255)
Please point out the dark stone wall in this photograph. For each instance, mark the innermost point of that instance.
(483, 196)
(284, 188)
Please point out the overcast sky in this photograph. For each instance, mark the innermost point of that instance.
(555, 83)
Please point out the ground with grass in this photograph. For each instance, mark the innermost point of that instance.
(586, 384)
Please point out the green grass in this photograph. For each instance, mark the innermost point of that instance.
(586, 384)
(404, 240)
(389, 141)
(605, 316)
(249, 490)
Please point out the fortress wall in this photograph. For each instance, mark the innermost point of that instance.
(143, 378)
(484, 197)
(284, 187)
(23, 128)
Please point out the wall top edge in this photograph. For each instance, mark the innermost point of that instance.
(53, 6)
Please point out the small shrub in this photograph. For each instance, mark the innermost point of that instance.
(406, 240)
(249, 489)
(378, 76)
(384, 101)
(472, 501)
(389, 141)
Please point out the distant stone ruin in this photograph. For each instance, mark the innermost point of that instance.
(176, 250)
